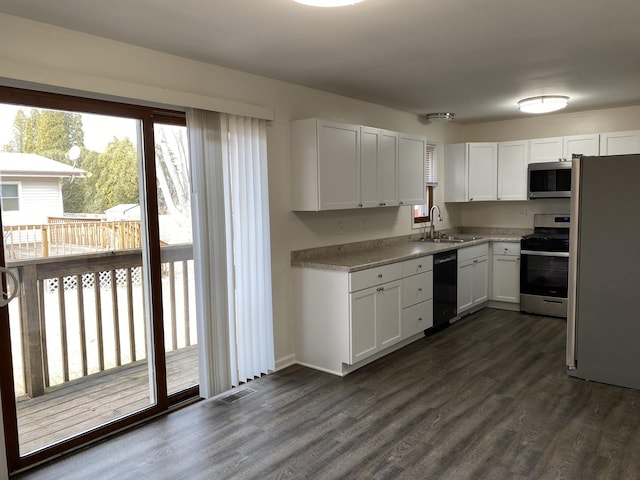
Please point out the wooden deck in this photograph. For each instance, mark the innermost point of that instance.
(83, 404)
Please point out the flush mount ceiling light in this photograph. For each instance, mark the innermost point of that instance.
(439, 117)
(543, 104)
(328, 3)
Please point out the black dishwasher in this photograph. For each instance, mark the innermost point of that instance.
(445, 287)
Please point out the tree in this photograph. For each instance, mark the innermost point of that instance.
(114, 178)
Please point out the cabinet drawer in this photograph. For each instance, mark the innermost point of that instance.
(417, 318)
(417, 288)
(374, 276)
(475, 251)
(417, 265)
(506, 248)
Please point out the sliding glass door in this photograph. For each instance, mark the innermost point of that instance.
(95, 212)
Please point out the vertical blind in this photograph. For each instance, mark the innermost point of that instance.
(251, 326)
(232, 249)
(431, 166)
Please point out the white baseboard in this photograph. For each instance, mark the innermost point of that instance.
(285, 362)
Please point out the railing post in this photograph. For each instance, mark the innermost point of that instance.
(44, 234)
(31, 334)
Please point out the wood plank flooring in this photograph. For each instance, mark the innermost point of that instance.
(487, 398)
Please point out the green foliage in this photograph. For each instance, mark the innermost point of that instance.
(112, 176)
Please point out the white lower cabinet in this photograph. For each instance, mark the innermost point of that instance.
(473, 276)
(376, 320)
(506, 272)
(345, 318)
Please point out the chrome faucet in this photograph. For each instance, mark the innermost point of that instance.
(432, 230)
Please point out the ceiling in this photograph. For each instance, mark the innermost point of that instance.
(471, 57)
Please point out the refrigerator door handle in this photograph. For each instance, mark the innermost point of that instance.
(574, 239)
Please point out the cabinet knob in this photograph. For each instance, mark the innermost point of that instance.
(360, 205)
(506, 250)
(419, 319)
(401, 203)
(475, 261)
(471, 199)
(380, 289)
(379, 275)
(419, 266)
(419, 289)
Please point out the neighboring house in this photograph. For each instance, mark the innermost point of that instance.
(31, 187)
(123, 211)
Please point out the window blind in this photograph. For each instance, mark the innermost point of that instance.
(431, 166)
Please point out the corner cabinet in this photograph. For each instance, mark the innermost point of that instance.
(473, 277)
(485, 171)
(337, 166)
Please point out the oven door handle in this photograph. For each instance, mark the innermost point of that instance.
(545, 254)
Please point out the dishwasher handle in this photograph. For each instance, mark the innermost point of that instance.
(452, 257)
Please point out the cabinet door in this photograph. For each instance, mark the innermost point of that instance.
(388, 168)
(412, 150)
(369, 161)
(545, 150)
(620, 143)
(339, 165)
(388, 314)
(465, 285)
(483, 171)
(513, 158)
(581, 144)
(480, 289)
(364, 341)
(506, 278)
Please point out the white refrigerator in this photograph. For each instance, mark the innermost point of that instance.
(603, 324)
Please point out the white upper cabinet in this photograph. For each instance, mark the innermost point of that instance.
(620, 143)
(388, 168)
(513, 158)
(555, 149)
(545, 150)
(471, 172)
(369, 161)
(340, 166)
(483, 171)
(325, 164)
(581, 145)
(412, 150)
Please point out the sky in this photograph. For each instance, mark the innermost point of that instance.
(99, 130)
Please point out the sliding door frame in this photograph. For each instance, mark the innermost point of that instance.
(147, 116)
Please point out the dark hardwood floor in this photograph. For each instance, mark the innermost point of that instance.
(487, 398)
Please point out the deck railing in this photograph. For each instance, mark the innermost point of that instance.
(84, 314)
(70, 237)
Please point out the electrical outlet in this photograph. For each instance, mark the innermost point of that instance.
(340, 227)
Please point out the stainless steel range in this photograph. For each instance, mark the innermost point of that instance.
(544, 269)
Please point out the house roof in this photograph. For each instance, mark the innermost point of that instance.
(32, 165)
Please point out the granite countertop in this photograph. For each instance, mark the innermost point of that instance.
(362, 255)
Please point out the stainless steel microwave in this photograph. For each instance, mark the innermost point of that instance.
(549, 180)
